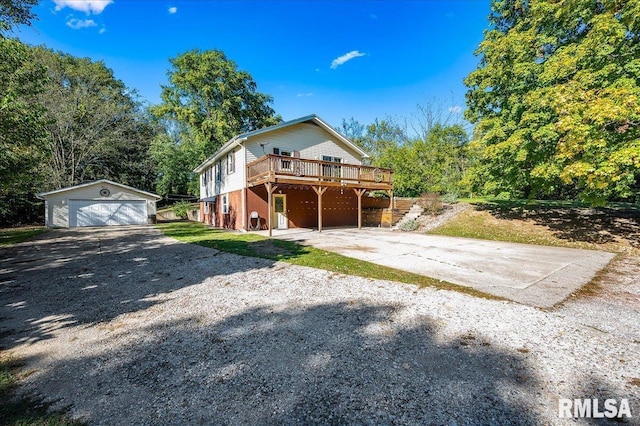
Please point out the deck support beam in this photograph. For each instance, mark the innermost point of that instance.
(271, 188)
(359, 193)
(392, 201)
(319, 190)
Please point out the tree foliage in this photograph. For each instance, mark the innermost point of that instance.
(433, 163)
(213, 98)
(21, 128)
(210, 100)
(434, 160)
(94, 127)
(65, 120)
(556, 99)
(15, 12)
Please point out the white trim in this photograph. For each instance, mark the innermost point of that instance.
(43, 195)
(241, 138)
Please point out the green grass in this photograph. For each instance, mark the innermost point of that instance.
(23, 410)
(551, 223)
(253, 245)
(17, 235)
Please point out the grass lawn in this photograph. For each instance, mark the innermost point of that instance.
(253, 245)
(23, 410)
(552, 223)
(17, 235)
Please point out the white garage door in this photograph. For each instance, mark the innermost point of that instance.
(106, 213)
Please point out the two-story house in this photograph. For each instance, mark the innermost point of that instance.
(300, 173)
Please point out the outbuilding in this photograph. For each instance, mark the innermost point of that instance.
(99, 203)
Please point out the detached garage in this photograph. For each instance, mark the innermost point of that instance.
(99, 203)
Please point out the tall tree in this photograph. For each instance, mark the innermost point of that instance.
(209, 101)
(207, 93)
(21, 129)
(556, 99)
(15, 12)
(94, 127)
(433, 163)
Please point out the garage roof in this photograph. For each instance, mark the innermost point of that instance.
(144, 194)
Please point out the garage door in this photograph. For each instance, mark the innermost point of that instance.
(107, 213)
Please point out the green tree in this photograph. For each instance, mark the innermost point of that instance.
(21, 130)
(213, 99)
(375, 138)
(94, 127)
(555, 99)
(15, 12)
(434, 163)
(174, 155)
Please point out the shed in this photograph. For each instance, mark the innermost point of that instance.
(99, 203)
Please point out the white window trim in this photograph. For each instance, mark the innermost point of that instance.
(231, 162)
(225, 204)
(218, 171)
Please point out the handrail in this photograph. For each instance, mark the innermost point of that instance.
(306, 169)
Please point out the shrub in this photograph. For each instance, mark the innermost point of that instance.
(181, 208)
(409, 225)
(450, 198)
(431, 203)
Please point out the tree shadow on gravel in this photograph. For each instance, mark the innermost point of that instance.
(324, 364)
(84, 276)
(598, 225)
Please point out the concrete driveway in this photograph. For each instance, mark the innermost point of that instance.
(534, 275)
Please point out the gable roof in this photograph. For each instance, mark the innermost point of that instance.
(238, 139)
(44, 195)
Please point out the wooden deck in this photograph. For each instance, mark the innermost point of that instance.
(277, 169)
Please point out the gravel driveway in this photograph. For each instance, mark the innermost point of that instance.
(127, 326)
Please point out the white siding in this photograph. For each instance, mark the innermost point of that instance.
(312, 141)
(57, 205)
(309, 139)
(228, 182)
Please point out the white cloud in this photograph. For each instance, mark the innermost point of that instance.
(77, 24)
(102, 30)
(457, 109)
(173, 10)
(346, 57)
(87, 6)
(305, 95)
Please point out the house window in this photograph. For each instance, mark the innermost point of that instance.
(284, 164)
(225, 204)
(206, 207)
(330, 169)
(218, 172)
(231, 163)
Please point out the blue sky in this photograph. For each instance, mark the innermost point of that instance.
(338, 59)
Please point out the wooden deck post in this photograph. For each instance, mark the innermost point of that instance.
(319, 190)
(359, 193)
(270, 190)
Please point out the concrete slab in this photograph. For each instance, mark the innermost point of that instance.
(534, 275)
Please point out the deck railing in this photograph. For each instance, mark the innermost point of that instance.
(271, 166)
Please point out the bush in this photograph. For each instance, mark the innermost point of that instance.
(450, 198)
(431, 203)
(181, 208)
(409, 225)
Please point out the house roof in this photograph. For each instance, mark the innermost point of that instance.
(238, 139)
(44, 195)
